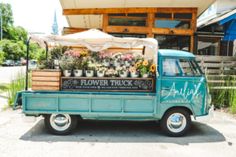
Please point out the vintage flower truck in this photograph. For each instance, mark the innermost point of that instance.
(176, 91)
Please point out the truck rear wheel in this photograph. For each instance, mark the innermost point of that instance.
(60, 124)
(176, 122)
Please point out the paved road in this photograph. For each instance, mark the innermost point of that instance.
(10, 73)
(208, 138)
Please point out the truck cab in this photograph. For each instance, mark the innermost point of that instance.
(180, 91)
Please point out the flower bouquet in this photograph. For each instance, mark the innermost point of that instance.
(133, 72)
(128, 59)
(122, 71)
(66, 64)
(111, 72)
(78, 67)
(145, 68)
(100, 71)
(105, 58)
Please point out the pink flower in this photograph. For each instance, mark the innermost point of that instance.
(73, 53)
(127, 57)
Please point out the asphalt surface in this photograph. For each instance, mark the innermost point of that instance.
(212, 137)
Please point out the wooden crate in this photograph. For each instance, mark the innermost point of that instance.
(46, 79)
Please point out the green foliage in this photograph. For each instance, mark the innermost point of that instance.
(46, 64)
(16, 34)
(13, 50)
(3, 88)
(225, 97)
(232, 100)
(16, 85)
(7, 18)
(58, 51)
(67, 62)
(2, 58)
(36, 52)
(13, 45)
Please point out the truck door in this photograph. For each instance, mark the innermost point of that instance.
(182, 84)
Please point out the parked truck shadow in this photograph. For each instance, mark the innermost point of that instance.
(124, 132)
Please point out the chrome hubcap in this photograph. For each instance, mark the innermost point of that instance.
(60, 122)
(176, 122)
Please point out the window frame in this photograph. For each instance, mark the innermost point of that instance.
(190, 61)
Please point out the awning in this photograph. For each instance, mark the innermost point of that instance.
(219, 18)
(96, 40)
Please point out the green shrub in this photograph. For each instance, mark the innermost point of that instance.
(225, 97)
(1, 57)
(232, 100)
(16, 85)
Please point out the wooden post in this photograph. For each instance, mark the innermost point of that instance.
(191, 43)
(105, 22)
(150, 24)
(194, 28)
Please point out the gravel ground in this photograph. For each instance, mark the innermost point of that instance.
(23, 137)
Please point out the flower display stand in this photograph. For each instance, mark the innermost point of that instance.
(47, 79)
(115, 84)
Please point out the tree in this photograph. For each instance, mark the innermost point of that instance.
(13, 45)
(1, 57)
(17, 34)
(7, 18)
(13, 50)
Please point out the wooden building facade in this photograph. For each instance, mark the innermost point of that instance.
(173, 26)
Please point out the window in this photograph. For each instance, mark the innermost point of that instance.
(163, 15)
(180, 67)
(183, 16)
(189, 68)
(172, 24)
(121, 35)
(170, 67)
(173, 20)
(132, 19)
(173, 42)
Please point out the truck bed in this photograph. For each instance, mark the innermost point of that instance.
(91, 105)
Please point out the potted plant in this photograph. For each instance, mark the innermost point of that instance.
(89, 68)
(117, 59)
(144, 67)
(56, 53)
(111, 72)
(66, 64)
(105, 58)
(122, 71)
(133, 72)
(78, 67)
(152, 69)
(101, 71)
(127, 58)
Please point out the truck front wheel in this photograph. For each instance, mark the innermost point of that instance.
(60, 124)
(176, 122)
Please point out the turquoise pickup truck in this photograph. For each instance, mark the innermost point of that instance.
(180, 91)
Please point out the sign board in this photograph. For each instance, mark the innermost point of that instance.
(108, 84)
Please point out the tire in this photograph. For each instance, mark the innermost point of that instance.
(176, 122)
(60, 124)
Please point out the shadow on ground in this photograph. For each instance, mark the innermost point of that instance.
(124, 132)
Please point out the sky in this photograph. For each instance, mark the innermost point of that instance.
(37, 15)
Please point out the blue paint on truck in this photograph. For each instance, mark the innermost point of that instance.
(181, 91)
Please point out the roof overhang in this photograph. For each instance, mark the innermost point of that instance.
(95, 21)
(221, 19)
